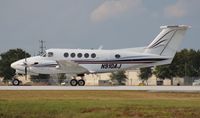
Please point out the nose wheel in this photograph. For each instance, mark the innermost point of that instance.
(15, 82)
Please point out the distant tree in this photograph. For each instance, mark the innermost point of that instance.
(164, 71)
(119, 77)
(145, 74)
(185, 63)
(197, 60)
(192, 65)
(9, 57)
(178, 63)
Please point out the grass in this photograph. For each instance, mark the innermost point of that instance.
(98, 104)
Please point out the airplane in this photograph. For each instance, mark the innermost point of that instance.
(78, 62)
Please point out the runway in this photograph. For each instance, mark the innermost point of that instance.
(112, 88)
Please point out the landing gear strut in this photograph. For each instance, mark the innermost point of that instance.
(75, 82)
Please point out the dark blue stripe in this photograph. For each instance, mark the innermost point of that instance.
(130, 61)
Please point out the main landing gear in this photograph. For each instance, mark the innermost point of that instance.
(75, 82)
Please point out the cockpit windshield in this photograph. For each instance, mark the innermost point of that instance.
(44, 54)
(47, 54)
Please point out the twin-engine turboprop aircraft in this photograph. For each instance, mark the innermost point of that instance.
(84, 61)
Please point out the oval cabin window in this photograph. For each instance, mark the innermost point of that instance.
(93, 55)
(117, 56)
(79, 55)
(86, 55)
(66, 54)
(73, 55)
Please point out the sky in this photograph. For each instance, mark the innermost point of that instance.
(92, 23)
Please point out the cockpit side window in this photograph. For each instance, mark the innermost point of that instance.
(50, 54)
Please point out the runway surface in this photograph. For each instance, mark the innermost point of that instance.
(113, 88)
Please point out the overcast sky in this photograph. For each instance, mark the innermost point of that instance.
(91, 23)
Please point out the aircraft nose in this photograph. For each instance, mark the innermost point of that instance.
(14, 65)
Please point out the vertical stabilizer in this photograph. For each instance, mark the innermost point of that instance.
(168, 40)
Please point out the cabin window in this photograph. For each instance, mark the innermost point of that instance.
(73, 55)
(50, 54)
(86, 55)
(66, 54)
(117, 56)
(79, 55)
(93, 55)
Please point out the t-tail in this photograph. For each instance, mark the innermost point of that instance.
(168, 41)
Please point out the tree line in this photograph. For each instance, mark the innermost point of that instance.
(9, 57)
(186, 63)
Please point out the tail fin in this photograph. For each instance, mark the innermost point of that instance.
(167, 41)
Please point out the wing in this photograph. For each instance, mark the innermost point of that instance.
(71, 67)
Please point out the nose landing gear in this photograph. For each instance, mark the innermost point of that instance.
(15, 81)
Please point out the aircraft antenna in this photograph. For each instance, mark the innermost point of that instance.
(42, 47)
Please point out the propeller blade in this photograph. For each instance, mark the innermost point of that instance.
(26, 66)
(25, 57)
(25, 72)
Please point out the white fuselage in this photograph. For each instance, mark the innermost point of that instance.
(94, 61)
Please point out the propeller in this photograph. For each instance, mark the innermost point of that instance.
(26, 66)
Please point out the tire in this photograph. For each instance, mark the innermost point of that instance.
(73, 82)
(81, 82)
(16, 82)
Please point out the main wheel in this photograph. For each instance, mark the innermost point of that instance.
(81, 82)
(15, 82)
(73, 82)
